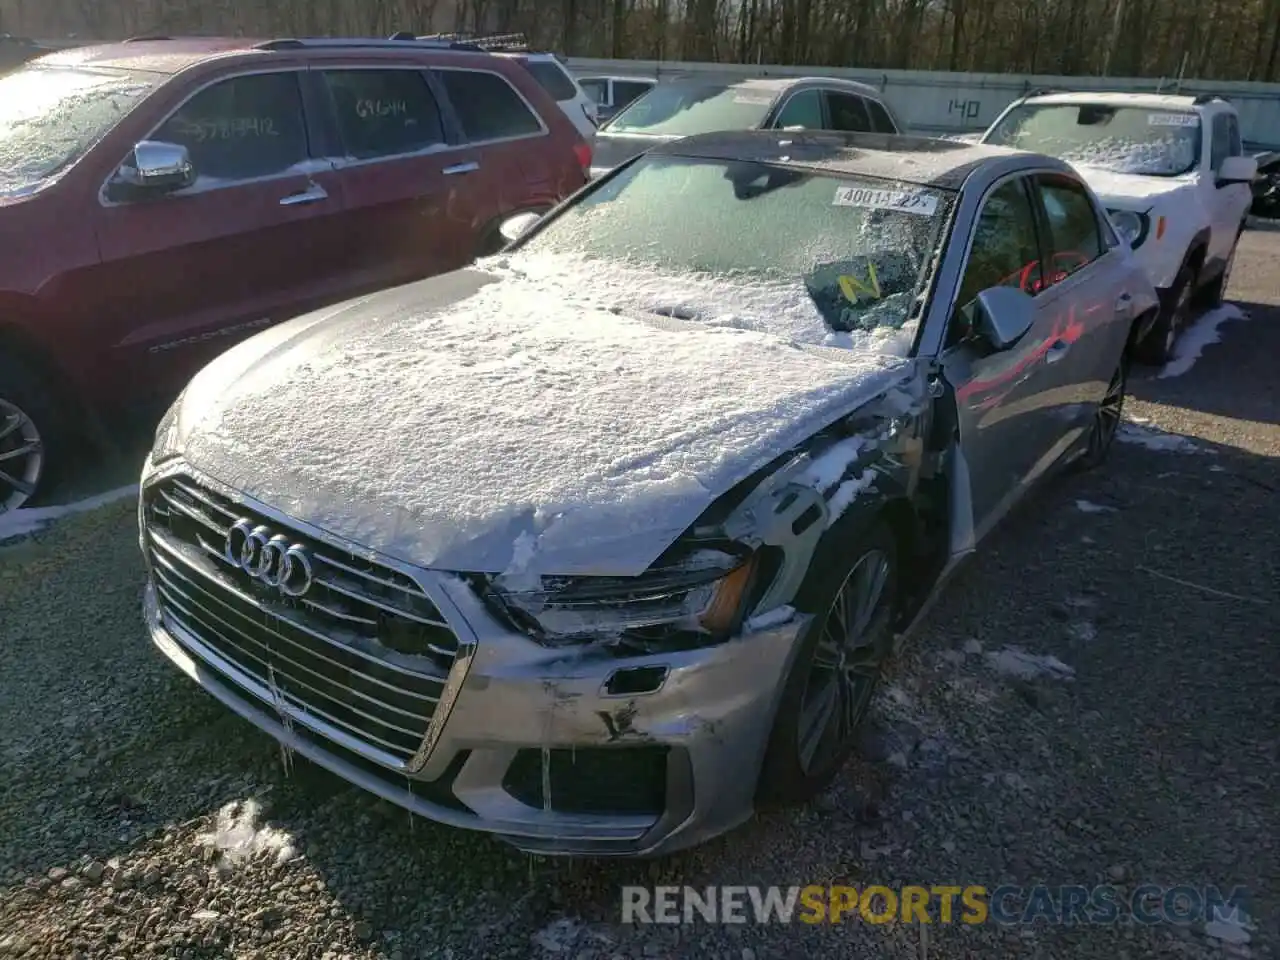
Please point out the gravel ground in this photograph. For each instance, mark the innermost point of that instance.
(138, 818)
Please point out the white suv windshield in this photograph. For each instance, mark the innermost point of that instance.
(680, 111)
(856, 249)
(50, 117)
(1159, 143)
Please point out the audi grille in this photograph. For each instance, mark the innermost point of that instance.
(350, 650)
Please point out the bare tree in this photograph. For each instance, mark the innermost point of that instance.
(1227, 39)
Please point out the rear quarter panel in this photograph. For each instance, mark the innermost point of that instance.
(550, 166)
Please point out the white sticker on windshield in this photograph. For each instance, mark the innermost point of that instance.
(923, 204)
(760, 99)
(1172, 119)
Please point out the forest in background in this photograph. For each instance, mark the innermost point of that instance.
(1210, 39)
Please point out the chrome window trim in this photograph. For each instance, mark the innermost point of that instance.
(302, 169)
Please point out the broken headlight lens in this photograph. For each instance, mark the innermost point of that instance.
(701, 598)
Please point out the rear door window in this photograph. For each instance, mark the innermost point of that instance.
(848, 112)
(242, 128)
(552, 79)
(881, 122)
(488, 107)
(384, 113)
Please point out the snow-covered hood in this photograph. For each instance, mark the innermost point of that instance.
(1132, 191)
(441, 422)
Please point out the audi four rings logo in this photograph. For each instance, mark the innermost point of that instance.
(269, 558)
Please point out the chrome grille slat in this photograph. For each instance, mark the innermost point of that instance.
(391, 584)
(168, 564)
(197, 626)
(399, 750)
(328, 583)
(273, 657)
(371, 601)
(356, 650)
(200, 517)
(196, 494)
(338, 614)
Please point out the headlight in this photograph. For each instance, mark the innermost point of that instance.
(698, 600)
(1132, 226)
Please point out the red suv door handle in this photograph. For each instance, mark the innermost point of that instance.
(457, 168)
(313, 193)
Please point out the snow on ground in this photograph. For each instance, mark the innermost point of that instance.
(1088, 506)
(1152, 439)
(1191, 344)
(1016, 662)
(23, 522)
(1233, 928)
(239, 834)
(529, 407)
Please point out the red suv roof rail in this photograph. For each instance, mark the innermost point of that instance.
(344, 43)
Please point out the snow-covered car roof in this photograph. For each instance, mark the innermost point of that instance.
(935, 162)
(1151, 101)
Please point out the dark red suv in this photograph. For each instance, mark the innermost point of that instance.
(161, 199)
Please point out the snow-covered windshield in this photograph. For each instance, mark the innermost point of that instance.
(51, 116)
(682, 111)
(1158, 143)
(810, 257)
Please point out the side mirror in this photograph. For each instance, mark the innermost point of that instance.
(513, 228)
(1003, 316)
(154, 169)
(1237, 170)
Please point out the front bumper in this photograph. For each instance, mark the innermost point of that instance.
(559, 751)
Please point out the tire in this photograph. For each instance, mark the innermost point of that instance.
(790, 773)
(1156, 348)
(1214, 294)
(1106, 419)
(31, 424)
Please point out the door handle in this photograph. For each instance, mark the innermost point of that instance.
(1056, 351)
(312, 194)
(457, 168)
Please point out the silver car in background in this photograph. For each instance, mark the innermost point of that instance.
(692, 106)
(601, 544)
(613, 94)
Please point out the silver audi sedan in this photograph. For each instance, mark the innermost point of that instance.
(601, 544)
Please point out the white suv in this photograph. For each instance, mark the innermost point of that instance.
(558, 81)
(1170, 171)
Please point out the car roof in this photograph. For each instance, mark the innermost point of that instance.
(939, 163)
(617, 76)
(155, 56)
(773, 86)
(1152, 101)
(167, 55)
